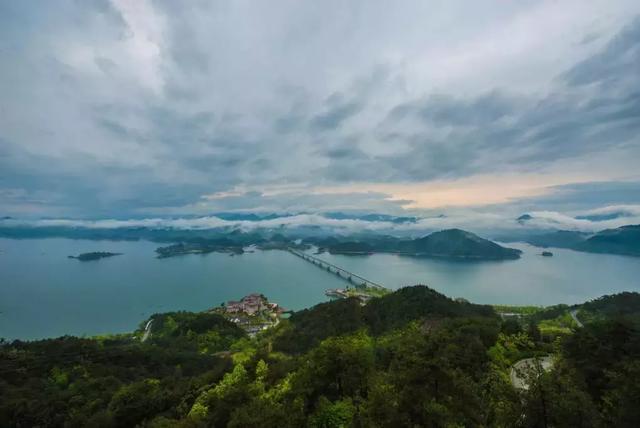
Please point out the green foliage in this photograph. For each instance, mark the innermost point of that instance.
(549, 313)
(105, 382)
(409, 303)
(332, 415)
(204, 332)
(135, 402)
(522, 310)
(309, 326)
(412, 358)
(624, 305)
(557, 398)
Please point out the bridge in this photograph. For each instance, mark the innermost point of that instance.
(356, 280)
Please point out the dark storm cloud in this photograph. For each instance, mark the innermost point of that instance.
(589, 195)
(525, 132)
(621, 55)
(122, 107)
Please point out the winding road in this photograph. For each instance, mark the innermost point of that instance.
(147, 331)
(520, 369)
(575, 317)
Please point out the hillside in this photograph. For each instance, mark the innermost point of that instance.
(624, 240)
(616, 306)
(411, 358)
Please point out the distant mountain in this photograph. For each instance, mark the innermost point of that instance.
(451, 243)
(624, 240)
(601, 217)
(524, 218)
(457, 243)
(558, 239)
(369, 217)
(249, 216)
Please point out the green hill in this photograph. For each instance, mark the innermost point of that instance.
(624, 240)
(451, 243)
(413, 358)
(457, 243)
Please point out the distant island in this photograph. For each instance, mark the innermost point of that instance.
(623, 240)
(198, 248)
(96, 255)
(450, 243)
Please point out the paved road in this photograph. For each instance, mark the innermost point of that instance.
(521, 367)
(147, 331)
(575, 317)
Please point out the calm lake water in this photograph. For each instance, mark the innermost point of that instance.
(45, 294)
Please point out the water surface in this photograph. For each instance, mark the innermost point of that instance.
(45, 294)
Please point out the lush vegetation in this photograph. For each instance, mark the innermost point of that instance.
(411, 358)
(623, 305)
(520, 310)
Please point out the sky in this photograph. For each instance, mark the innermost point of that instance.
(133, 109)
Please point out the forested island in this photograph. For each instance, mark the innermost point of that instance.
(198, 248)
(96, 255)
(413, 357)
(450, 243)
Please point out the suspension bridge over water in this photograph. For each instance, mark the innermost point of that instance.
(356, 280)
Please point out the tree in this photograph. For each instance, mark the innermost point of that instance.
(136, 402)
(338, 414)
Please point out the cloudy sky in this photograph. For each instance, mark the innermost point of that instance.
(140, 108)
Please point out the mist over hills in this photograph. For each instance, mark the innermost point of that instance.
(345, 232)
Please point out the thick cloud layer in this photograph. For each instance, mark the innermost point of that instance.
(118, 108)
(480, 222)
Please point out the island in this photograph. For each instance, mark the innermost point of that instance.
(450, 243)
(96, 255)
(546, 254)
(198, 248)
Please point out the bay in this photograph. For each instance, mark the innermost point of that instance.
(45, 294)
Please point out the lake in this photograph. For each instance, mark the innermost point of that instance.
(45, 294)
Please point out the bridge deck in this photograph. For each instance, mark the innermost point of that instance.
(349, 276)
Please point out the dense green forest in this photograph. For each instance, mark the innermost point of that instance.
(412, 358)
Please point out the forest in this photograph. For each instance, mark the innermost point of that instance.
(411, 358)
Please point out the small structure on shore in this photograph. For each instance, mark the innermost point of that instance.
(250, 305)
(252, 313)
